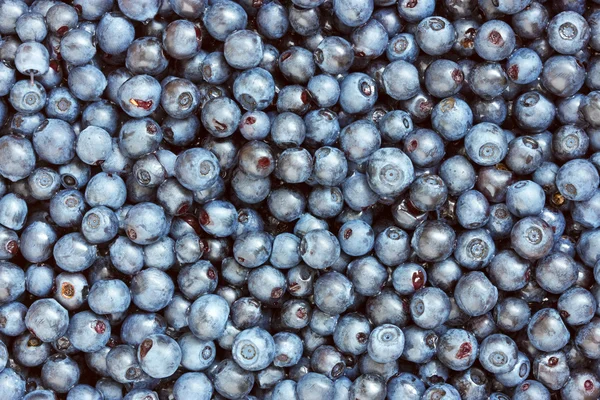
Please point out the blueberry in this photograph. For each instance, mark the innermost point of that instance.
(573, 75)
(109, 297)
(82, 391)
(586, 212)
(433, 240)
(193, 384)
(532, 238)
(334, 55)
(139, 96)
(389, 171)
(179, 98)
(114, 33)
(353, 13)
(556, 272)
(9, 244)
(457, 349)
(525, 198)
(73, 253)
(329, 300)
(424, 147)
(230, 380)
(208, 315)
(39, 279)
(392, 246)
(358, 93)
(62, 105)
(144, 56)
(159, 355)
(14, 316)
(31, 26)
(54, 141)
(324, 90)
(88, 332)
(352, 333)
(474, 249)
(123, 365)
(14, 211)
(145, 324)
(475, 294)
(239, 45)
(109, 388)
(248, 189)
(31, 58)
(87, 82)
(368, 386)
(494, 41)
(24, 123)
(221, 116)
(13, 383)
(547, 331)
(577, 306)
(429, 308)
(472, 209)
(196, 169)
(197, 279)
(579, 187)
(531, 389)
(443, 78)
(581, 383)
(435, 35)
(37, 241)
(441, 389)
(488, 80)
(254, 89)
(47, 319)
(99, 225)
(523, 66)
(369, 40)
(160, 254)
(285, 388)
(182, 39)
(568, 32)
(253, 349)
(551, 369)
(512, 314)
(151, 289)
(7, 79)
(142, 11)
(400, 80)
(70, 290)
(319, 249)
(304, 21)
(367, 275)
(294, 165)
(77, 47)
(197, 355)
(405, 386)
(389, 18)
(407, 278)
(505, 261)
(126, 256)
(297, 65)
(272, 19)
(498, 354)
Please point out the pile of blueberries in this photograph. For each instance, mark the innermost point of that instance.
(299, 199)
